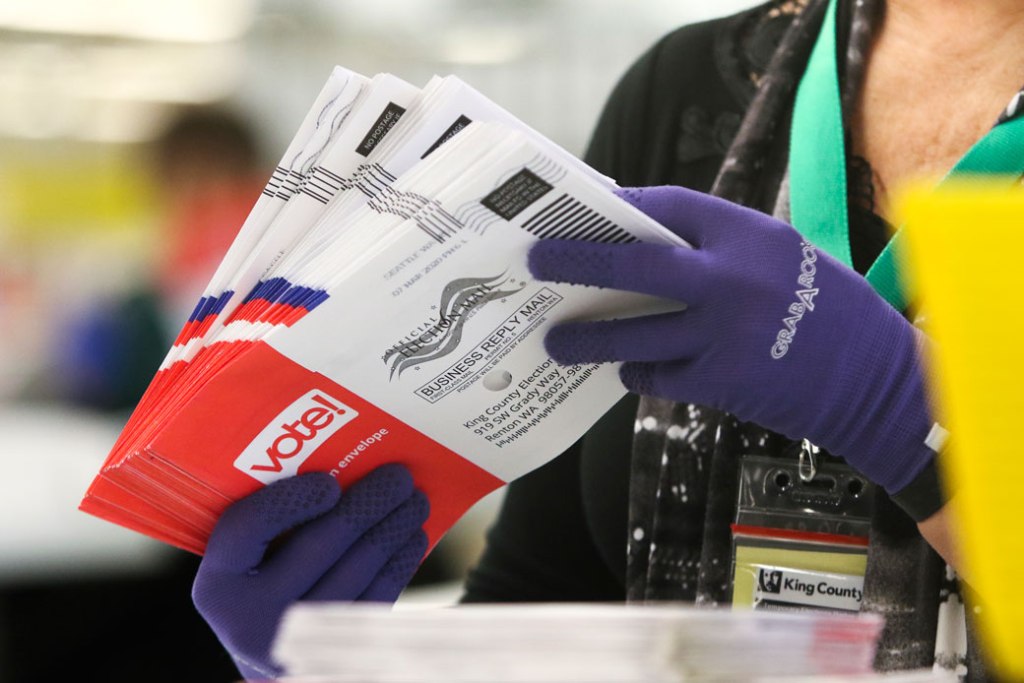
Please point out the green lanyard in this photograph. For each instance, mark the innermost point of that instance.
(817, 164)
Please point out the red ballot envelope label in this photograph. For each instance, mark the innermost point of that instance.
(282, 419)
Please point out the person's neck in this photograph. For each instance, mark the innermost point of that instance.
(964, 32)
(937, 76)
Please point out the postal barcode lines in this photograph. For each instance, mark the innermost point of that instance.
(438, 223)
(373, 179)
(322, 184)
(569, 219)
(276, 178)
(429, 216)
(290, 184)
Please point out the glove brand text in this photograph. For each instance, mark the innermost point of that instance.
(804, 301)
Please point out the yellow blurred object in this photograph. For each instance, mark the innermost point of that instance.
(86, 189)
(964, 253)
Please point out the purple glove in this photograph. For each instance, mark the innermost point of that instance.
(774, 331)
(363, 545)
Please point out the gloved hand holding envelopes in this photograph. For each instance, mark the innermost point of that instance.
(376, 307)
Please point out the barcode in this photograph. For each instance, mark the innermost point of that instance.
(290, 184)
(372, 179)
(429, 215)
(276, 178)
(434, 220)
(322, 184)
(569, 219)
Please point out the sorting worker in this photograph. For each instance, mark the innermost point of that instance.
(791, 338)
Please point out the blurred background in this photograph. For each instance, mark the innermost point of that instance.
(134, 137)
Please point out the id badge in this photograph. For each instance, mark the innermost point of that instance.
(800, 542)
